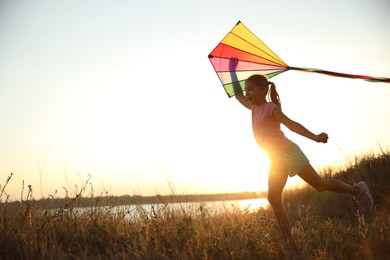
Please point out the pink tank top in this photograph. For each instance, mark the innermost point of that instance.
(267, 130)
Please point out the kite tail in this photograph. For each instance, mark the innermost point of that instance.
(344, 75)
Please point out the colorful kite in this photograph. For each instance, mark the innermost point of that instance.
(251, 56)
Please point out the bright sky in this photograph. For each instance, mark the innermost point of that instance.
(124, 91)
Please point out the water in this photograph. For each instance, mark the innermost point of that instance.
(148, 211)
(252, 204)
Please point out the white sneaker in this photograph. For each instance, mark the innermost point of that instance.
(364, 198)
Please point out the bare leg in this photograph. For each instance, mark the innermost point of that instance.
(277, 178)
(309, 175)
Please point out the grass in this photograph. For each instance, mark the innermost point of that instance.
(326, 226)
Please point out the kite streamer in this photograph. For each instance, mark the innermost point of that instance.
(252, 56)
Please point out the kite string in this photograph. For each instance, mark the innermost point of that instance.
(338, 74)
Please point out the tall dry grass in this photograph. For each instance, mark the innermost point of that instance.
(326, 226)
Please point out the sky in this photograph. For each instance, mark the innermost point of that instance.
(123, 92)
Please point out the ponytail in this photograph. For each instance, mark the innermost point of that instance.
(273, 95)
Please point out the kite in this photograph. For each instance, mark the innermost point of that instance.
(251, 56)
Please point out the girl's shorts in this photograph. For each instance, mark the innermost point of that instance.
(294, 159)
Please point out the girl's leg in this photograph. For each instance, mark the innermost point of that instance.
(277, 179)
(309, 175)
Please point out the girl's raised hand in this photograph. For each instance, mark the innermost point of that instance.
(322, 138)
(233, 64)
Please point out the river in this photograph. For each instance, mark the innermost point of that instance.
(192, 208)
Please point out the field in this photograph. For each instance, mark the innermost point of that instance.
(326, 226)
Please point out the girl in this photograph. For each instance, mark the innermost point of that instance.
(286, 158)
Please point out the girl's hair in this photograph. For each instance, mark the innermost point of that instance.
(262, 81)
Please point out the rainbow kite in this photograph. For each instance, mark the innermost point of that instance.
(252, 56)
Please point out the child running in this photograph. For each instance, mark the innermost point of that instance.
(286, 158)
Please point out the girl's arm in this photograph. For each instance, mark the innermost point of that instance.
(297, 127)
(239, 94)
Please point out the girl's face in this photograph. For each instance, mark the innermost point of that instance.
(255, 94)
